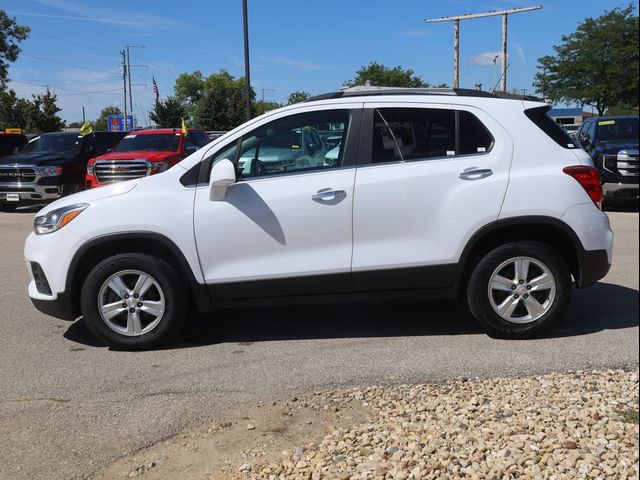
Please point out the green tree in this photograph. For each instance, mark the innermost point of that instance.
(100, 125)
(380, 76)
(169, 114)
(298, 97)
(41, 113)
(189, 87)
(222, 105)
(260, 107)
(597, 65)
(623, 109)
(11, 34)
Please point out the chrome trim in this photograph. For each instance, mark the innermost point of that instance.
(16, 166)
(133, 170)
(37, 190)
(627, 162)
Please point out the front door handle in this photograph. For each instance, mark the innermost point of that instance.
(328, 194)
(474, 173)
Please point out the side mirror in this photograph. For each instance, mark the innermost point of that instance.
(223, 174)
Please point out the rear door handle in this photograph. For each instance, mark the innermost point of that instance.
(328, 194)
(474, 173)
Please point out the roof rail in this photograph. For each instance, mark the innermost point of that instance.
(360, 91)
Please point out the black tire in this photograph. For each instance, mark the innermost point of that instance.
(478, 289)
(172, 286)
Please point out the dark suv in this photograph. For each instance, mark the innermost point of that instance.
(50, 166)
(612, 142)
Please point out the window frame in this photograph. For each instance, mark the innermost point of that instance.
(368, 122)
(349, 160)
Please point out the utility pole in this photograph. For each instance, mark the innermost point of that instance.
(124, 87)
(83, 119)
(245, 24)
(456, 38)
(266, 90)
(129, 75)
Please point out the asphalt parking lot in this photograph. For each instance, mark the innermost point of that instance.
(69, 405)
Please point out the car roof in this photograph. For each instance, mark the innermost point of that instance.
(369, 91)
(157, 131)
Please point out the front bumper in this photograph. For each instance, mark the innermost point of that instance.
(620, 191)
(30, 191)
(52, 253)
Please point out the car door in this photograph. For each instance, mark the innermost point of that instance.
(281, 229)
(428, 177)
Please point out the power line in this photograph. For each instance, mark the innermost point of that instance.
(67, 64)
(157, 67)
(75, 43)
(77, 92)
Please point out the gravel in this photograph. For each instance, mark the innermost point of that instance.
(555, 426)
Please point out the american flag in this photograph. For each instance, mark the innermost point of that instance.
(155, 89)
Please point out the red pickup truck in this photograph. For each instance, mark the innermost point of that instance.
(143, 153)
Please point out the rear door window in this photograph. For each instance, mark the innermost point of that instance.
(405, 134)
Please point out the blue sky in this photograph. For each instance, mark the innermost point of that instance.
(308, 46)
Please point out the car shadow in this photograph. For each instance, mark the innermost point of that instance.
(604, 306)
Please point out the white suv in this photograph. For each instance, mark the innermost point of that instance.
(433, 192)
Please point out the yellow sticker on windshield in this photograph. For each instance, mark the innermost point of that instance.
(607, 122)
(295, 147)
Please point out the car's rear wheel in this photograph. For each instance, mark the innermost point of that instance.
(133, 301)
(518, 289)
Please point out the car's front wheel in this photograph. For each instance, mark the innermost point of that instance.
(518, 289)
(133, 301)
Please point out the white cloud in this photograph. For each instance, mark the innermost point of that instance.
(92, 12)
(485, 58)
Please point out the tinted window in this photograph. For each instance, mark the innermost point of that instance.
(617, 129)
(292, 144)
(166, 142)
(200, 139)
(53, 142)
(10, 143)
(545, 123)
(401, 134)
(101, 141)
(473, 135)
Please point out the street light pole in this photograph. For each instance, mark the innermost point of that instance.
(247, 77)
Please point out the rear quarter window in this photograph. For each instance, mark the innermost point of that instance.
(544, 122)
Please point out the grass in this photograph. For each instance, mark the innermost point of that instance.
(629, 416)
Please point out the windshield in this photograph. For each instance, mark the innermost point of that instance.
(52, 142)
(149, 142)
(618, 129)
(290, 139)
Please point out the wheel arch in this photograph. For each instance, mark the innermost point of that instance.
(94, 251)
(547, 230)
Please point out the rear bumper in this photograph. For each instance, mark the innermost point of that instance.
(593, 265)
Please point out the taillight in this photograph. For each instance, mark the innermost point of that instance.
(590, 180)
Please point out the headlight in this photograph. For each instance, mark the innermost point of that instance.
(90, 169)
(50, 171)
(158, 167)
(58, 218)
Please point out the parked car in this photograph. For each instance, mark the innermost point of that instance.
(455, 193)
(10, 143)
(143, 153)
(50, 166)
(612, 143)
